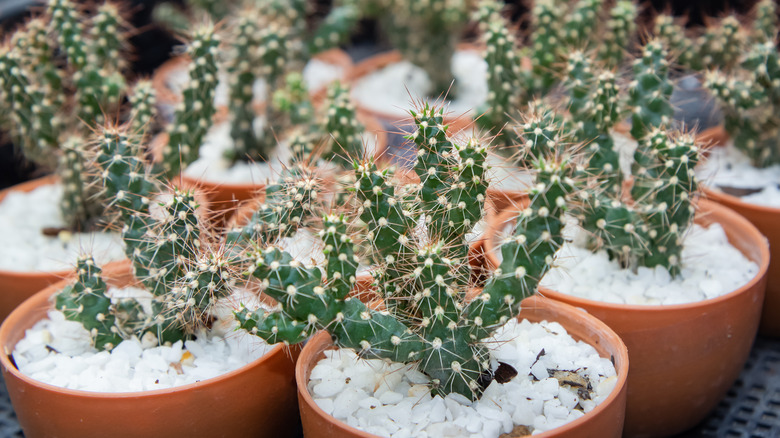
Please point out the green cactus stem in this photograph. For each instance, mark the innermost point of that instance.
(765, 21)
(345, 141)
(85, 301)
(192, 117)
(582, 23)
(143, 108)
(548, 35)
(650, 91)
(621, 27)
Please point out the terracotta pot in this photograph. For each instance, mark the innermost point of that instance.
(766, 219)
(382, 60)
(17, 286)
(167, 98)
(683, 357)
(257, 399)
(606, 420)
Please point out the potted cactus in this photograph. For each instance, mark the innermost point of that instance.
(516, 82)
(742, 175)
(172, 307)
(239, 154)
(49, 111)
(655, 280)
(429, 317)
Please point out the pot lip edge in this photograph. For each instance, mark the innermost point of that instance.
(763, 268)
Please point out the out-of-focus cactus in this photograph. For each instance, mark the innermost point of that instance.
(193, 115)
(620, 30)
(343, 131)
(650, 90)
(417, 235)
(548, 36)
(765, 21)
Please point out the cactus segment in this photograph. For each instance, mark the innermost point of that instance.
(621, 27)
(345, 141)
(86, 302)
(192, 117)
(650, 92)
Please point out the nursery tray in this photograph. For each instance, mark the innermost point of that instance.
(751, 409)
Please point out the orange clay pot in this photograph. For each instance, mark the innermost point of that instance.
(256, 400)
(683, 357)
(17, 286)
(766, 219)
(605, 421)
(168, 98)
(377, 62)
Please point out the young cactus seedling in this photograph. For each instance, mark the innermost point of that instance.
(416, 236)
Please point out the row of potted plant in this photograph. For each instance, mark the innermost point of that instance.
(429, 303)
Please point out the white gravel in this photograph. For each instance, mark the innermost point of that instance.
(390, 89)
(212, 165)
(316, 74)
(711, 267)
(24, 248)
(393, 399)
(727, 166)
(58, 352)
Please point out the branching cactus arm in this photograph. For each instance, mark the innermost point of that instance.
(505, 75)
(344, 141)
(192, 117)
(582, 23)
(143, 108)
(86, 302)
(650, 91)
(528, 253)
(621, 27)
(35, 124)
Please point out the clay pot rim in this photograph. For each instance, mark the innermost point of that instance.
(27, 275)
(709, 207)
(32, 304)
(713, 195)
(621, 363)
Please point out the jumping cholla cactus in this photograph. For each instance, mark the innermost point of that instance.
(60, 76)
(185, 269)
(416, 234)
(646, 230)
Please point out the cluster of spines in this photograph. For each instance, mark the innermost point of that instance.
(672, 35)
(344, 130)
(193, 116)
(86, 302)
(620, 29)
(540, 134)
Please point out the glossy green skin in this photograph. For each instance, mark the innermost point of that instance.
(85, 301)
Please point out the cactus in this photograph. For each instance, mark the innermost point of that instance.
(548, 35)
(541, 133)
(721, 45)
(750, 96)
(765, 21)
(645, 228)
(86, 302)
(505, 74)
(144, 110)
(424, 276)
(650, 91)
(341, 123)
(673, 37)
(620, 30)
(582, 23)
(192, 117)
